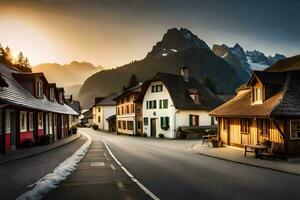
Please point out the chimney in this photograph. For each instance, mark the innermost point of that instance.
(185, 73)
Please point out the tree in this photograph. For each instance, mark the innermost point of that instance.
(26, 63)
(20, 59)
(209, 83)
(133, 81)
(8, 55)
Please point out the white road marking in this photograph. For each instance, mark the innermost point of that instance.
(112, 167)
(146, 190)
(97, 164)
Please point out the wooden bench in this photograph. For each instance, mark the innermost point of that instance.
(206, 138)
(257, 149)
(276, 151)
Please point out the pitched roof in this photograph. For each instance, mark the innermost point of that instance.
(180, 91)
(15, 94)
(135, 89)
(108, 101)
(75, 105)
(3, 82)
(284, 103)
(269, 78)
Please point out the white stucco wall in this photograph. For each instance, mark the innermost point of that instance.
(105, 112)
(177, 118)
(157, 113)
(183, 117)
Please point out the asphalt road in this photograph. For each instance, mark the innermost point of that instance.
(16, 176)
(171, 171)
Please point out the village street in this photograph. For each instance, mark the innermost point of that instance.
(167, 168)
(171, 171)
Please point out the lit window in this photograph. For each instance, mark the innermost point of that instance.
(295, 129)
(256, 95)
(23, 121)
(194, 120)
(40, 120)
(30, 121)
(39, 88)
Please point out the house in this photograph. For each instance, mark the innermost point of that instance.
(129, 113)
(75, 105)
(30, 108)
(170, 101)
(267, 107)
(86, 119)
(103, 109)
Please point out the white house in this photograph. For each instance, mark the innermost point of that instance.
(104, 109)
(170, 101)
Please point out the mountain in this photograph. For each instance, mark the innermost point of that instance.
(69, 74)
(73, 90)
(182, 48)
(176, 40)
(249, 60)
(234, 56)
(288, 64)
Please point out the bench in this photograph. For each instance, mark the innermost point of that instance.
(276, 151)
(206, 138)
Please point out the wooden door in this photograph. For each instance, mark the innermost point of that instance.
(153, 128)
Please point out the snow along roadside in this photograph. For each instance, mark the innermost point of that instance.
(60, 173)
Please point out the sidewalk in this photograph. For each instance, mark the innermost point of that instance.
(29, 152)
(234, 154)
(97, 177)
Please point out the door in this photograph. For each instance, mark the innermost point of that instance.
(153, 128)
(13, 136)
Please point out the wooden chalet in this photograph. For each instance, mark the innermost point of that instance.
(266, 108)
(30, 108)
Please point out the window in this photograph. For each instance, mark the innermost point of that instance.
(225, 124)
(156, 88)
(118, 111)
(196, 98)
(99, 119)
(30, 121)
(122, 110)
(23, 121)
(146, 122)
(164, 123)
(124, 124)
(194, 120)
(151, 104)
(7, 122)
(119, 124)
(39, 88)
(50, 123)
(295, 129)
(127, 108)
(256, 95)
(40, 120)
(60, 97)
(163, 104)
(130, 125)
(132, 108)
(51, 94)
(263, 127)
(99, 109)
(244, 126)
(139, 124)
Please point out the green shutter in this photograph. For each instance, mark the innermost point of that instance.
(191, 120)
(161, 122)
(165, 102)
(167, 122)
(160, 103)
(154, 102)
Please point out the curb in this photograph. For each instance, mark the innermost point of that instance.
(244, 163)
(41, 152)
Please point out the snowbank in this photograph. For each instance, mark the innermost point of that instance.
(60, 173)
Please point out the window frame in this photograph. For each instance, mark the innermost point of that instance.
(145, 121)
(23, 124)
(165, 122)
(30, 121)
(291, 131)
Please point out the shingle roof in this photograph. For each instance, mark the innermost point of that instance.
(17, 95)
(179, 91)
(135, 89)
(108, 101)
(3, 82)
(75, 105)
(269, 78)
(284, 103)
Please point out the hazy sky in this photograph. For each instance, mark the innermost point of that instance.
(114, 32)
